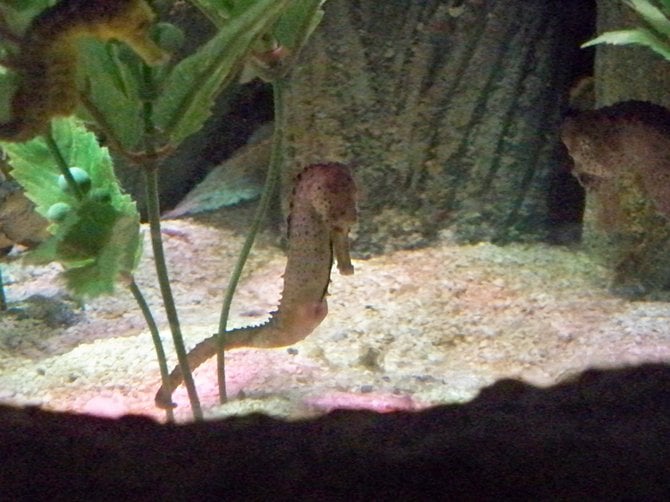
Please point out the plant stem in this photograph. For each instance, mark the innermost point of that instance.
(3, 298)
(155, 336)
(150, 169)
(271, 179)
(62, 165)
(151, 181)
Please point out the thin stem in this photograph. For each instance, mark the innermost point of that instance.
(3, 298)
(155, 336)
(150, 169)
(62, 165)
(272, 177)
(151, 181)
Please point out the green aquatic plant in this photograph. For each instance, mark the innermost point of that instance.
(143, 112)
(94, 225)
(654, 32)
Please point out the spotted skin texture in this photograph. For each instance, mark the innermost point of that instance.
(323, 208)
(47, 60)
(631, 135)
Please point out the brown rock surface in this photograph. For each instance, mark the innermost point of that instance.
(19, 223)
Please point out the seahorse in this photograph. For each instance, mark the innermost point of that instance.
(629, 135)
(322, 210)
(47, 59)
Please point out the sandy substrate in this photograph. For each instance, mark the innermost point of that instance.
(408, 330)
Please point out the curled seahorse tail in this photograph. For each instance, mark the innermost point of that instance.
(243, 337)
(198, 355)
(271, 334)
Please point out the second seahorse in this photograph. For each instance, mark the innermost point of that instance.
(47, 59)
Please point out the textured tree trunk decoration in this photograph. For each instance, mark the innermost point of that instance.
(634, 238)
(447, 110)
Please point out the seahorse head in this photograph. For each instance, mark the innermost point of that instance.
(130, 23)
(602, 142)
(331, 191)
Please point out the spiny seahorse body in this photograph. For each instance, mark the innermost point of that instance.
(323, 207)
(47, 62)
(630, 135)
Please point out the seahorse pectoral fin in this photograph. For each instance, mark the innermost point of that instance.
(340, 242)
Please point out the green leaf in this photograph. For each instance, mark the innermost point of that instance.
(97, 241)
(19, 13)
(298, 22)
(217, 11)
(189, 91)
(636, 36)
(113, 91)
(82, 236)
(116, 259)
(289, 34)
(36, 170)
(652, 15)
